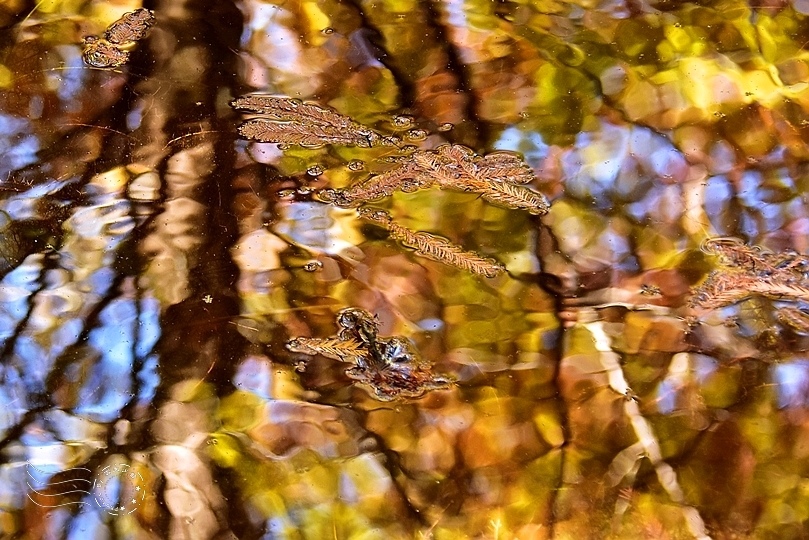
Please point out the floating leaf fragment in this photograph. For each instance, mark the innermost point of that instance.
(433, 247)
(389, 366)
(132, 26)
(496, 177)
(746, 271)
(102, 54)
(108, 51)
(289, 121)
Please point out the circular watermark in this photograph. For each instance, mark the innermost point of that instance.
(119, 489)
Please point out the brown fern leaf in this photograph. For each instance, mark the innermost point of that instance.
(263, 130)
(790, 265)
(722, 289)
(456, 167)
(406, 177)
(287, 121)
(434, 247)
(344, 350)
(511, 196)
(795, 318)
(504, 167)
(779, 290)
(735, 253)
(133, 26)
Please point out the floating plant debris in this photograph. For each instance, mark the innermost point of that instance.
(389, 366)
(795, 318)
(109, 51)
(496, 177)
(290, 121)
(133, 26)
(416, 134)
(101, 53)
(747, 271)
(433, 247)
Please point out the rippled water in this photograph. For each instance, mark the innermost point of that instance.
(154, 265)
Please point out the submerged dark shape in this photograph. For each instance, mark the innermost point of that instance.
(389, 366)
(110, 50)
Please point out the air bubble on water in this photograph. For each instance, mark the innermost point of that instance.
(409, 186)
(356, 165)
(417, 134)
(326, 195)
(391, 141)
(409, 148)
(402, 121)
(286, 193)
(445, 127)
(328, 30)
(305, 190)
(313, 266)
(314, 170)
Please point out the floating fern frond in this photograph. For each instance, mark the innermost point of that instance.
(132, 26)
(721, 289)
(455, 167)
(290, 121)
(512, 196)
(780, 290)
(405, 177)
(795, 318)
(263, 130)
(344, 350)
(434, 247)
(505, 167)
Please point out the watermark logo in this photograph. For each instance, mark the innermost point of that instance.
(118, 489)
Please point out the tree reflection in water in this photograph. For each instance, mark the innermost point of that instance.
(154, 265)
